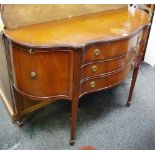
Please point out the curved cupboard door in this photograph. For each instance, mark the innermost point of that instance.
(41, 73)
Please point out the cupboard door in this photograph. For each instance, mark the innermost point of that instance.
(43, 73)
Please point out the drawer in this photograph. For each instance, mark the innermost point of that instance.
(109, 50)
(101, 67)
(104, 82)
(43, 73)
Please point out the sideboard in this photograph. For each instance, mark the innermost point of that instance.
(72, 57)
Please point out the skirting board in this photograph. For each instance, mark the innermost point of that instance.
(26, 111)
(8, 107)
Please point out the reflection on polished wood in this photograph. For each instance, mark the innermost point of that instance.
(69, 58)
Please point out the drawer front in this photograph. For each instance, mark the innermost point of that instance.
(101, 67)
(109, 50)
(99, 83)
(43, 73)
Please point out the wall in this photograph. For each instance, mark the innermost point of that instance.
(150, 50)
(18, 15)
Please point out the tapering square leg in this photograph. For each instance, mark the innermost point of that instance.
(74, 110)
(133, 81)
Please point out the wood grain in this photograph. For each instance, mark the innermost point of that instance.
(54, 72)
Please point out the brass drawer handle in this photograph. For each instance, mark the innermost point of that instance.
(97, 52)
(94, 68)
(92, 84)
(33, 75)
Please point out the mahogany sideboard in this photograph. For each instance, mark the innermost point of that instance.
(69, 58)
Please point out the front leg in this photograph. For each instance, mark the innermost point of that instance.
(133, 81)
(74, 110)
(134, 77)
(76, 92)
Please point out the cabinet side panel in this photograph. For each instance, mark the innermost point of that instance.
(4, 79)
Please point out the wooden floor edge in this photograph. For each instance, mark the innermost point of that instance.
(12, 115)
(10, 111)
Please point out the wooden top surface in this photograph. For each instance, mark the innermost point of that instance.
(78, 31)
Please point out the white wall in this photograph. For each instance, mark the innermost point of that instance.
(150, 50)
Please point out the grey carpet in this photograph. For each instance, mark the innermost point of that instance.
(103, 120)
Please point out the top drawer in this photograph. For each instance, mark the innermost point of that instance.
(109, 50)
